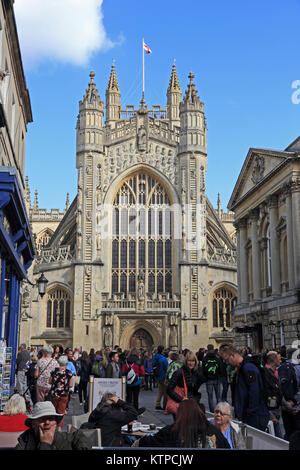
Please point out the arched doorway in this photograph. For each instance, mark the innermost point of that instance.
(141, 339)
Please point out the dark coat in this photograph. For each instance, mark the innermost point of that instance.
(110, 419)
(62, 441)
(84, 370)
(166, 437)
(194, 379)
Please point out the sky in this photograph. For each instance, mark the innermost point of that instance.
(244, 55)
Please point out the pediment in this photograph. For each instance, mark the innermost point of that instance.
(258, 166)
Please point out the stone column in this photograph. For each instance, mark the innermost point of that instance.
(289, 237)
(295, 187)
(256, 273)
(275, 248)
(237, 227)
(244, 294)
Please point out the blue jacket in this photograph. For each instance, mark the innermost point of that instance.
(249, 397)
(163, 364)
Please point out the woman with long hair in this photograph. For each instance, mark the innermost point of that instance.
(189, 376)
(191, 430)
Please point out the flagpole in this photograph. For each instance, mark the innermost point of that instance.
(143, 69)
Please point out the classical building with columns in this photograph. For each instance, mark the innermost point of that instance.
(140, 257)
(266, 203)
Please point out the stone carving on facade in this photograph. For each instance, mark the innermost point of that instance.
(109, 319)
(203, 289)
(173, 337)
(142, 139)
(258, 169)
(123, 325)
(156, 323)
(204, 314)
(108, 337)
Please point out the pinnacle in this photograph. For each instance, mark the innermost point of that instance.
(174, 82)
(113, 81)
(191, 94)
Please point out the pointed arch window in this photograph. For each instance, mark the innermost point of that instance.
(142, 236)
(58, 313)
(224, 300)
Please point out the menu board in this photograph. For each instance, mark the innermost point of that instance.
(5, 374)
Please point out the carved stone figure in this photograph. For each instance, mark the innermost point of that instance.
(141, 287)
(108, 338)
(258, 169)
(142, 139)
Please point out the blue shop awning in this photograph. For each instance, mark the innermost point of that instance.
(16, 242)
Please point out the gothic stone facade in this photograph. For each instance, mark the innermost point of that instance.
(266, 202)
(140, 257)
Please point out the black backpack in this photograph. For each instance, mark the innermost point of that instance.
(156, 369)
(271, 391)
(211, 368)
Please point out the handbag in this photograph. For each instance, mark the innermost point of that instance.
(172, 405)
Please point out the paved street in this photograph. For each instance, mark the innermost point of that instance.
(147, 400)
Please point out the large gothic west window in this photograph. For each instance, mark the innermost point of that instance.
(142, 236)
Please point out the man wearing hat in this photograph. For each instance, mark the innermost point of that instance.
(43, 434)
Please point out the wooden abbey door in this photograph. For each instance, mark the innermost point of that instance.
(141, 339)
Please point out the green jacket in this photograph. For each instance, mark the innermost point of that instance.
(62, 441)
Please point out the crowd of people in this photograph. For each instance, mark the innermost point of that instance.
(264, 387)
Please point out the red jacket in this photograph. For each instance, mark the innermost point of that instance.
(13, 423)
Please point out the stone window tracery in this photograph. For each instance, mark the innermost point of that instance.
(142, 236)
(43, 240)
(58, 309)
(223, 302)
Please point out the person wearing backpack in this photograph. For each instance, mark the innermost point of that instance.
(211, 367)
(249, 403)
(133, 371)
(160, 365)
(290, 386)
(273, 361)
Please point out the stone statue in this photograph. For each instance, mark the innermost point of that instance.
(141, 287)
(108, 338)
(142, 139)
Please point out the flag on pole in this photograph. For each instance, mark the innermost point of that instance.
(147, 49)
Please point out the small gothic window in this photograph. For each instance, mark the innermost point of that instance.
(58, 313)
(223, 302)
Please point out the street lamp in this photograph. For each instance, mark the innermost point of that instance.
(41, 284)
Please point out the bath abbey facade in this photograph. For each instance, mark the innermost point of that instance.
(140, 257)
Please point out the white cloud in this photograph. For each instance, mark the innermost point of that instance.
(60, 30)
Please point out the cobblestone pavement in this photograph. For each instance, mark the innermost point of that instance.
(147, 399)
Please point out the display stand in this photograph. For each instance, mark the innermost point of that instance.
(5, 375)
(99, 386)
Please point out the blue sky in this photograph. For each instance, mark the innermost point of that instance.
(244, 55)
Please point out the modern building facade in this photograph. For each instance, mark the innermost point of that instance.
(266, 203)
(16, 243)
(140, 257)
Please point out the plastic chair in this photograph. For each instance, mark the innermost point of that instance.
(78, 420)
(9, 439)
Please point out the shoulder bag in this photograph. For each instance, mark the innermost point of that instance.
(172, 405)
